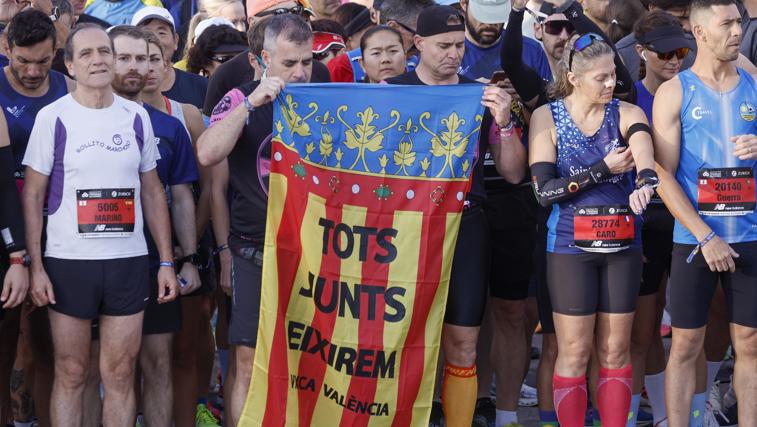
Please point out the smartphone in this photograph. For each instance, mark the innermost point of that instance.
(498, 76)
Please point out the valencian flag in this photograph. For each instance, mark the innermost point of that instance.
(366, 188)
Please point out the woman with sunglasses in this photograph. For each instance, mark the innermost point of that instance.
(662, 47)
(215, 45)
(583, 148)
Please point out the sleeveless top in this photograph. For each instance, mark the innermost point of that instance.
(175, 110)
(708, 121)
(21, 111)
(576, 153)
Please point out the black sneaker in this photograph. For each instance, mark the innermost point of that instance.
(437, 415)
(486, 413)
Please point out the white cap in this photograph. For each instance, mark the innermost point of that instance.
(152, 12)
(207, 23)
(490, 11)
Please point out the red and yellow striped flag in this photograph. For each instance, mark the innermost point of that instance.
(364, 209)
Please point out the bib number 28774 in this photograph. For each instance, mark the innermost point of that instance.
(107, 212)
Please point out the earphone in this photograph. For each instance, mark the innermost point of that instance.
(644, 56)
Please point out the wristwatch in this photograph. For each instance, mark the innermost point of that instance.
(24, 260)
(55, 15)
(193, 259)
(248, 105)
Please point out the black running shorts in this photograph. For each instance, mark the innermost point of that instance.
(657, 243)
(543, 301)
(87, 289)
(512, 221)
(246, 287)
(692, 286)
(161, 318)
(469, 281)
(587, 283)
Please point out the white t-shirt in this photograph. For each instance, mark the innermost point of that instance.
(94, 158)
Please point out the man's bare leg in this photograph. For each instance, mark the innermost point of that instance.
(157, 384)
(92, 403)
(71, 345)
(243, 376)
(745, 372)
(120, 338)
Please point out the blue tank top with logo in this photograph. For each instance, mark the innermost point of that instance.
(718, 184)
(607, 200)
(21, 111)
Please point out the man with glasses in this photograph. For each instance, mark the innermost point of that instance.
(398, 14)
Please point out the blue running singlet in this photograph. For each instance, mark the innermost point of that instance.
(21, 111)
(718, 184)
(603, 209)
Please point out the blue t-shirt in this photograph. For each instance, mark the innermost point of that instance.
(576, 153)
(708, 121)
(188, 88)
(484, 61)
(644, 100)
(177, 164)
(21, 111)
(114, 12)
(3, 60)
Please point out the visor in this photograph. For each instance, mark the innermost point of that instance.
(323, 41)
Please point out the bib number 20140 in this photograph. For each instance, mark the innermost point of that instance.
(726, 192)
(107, 212)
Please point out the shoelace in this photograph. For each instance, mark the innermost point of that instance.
(716, 411)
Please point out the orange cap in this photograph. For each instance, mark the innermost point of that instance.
(256, 6)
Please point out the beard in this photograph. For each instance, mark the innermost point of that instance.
(487, 39)
(30, 83)
(129, 88)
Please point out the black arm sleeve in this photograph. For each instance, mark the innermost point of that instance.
(11, 216)
(526, 81)
(624, 88)
(550, 189)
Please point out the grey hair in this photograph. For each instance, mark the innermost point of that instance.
(68, 50)
(404, 11)
(291, 27)
(582, 62)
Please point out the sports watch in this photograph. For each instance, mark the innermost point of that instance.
(24, 260)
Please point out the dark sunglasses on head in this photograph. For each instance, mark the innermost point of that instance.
(221, 58)
(408, 29)
(296, 10)
(556, 28)
(679, 53)
(582, 43)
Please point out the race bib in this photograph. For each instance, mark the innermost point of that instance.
(726, 192)
(107, 212)
(603, 228)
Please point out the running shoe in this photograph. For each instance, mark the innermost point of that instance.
(528, 396)
(662, 423)
(437, 415)
(729, 398)
(644, 419)
(485, 414)
(716, 418)
(204, 418)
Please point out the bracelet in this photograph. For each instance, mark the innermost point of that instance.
(700, 245)
(219, 249)
(166, 264)
(508, 130)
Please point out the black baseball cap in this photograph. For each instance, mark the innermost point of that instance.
(438, 19)
(665, 39)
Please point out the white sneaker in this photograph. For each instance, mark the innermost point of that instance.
(729, 398)
(662, 423)
(713, 397)
(528, 396)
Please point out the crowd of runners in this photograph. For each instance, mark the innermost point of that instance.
(615, 187)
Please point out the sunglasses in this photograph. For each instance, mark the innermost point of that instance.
(582, 43)
(556, 28)
(408, 29)
(679, 53)
(322, 55)
(221, 58)
(296, 10)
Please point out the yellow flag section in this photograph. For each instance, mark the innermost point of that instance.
(355, 277)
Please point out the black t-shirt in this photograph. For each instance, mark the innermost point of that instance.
(84, 18)
(249, 200)
(238, 71)
(477, 192)
(188, 88)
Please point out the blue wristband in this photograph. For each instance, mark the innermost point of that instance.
(699, 245)
(166, 264)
